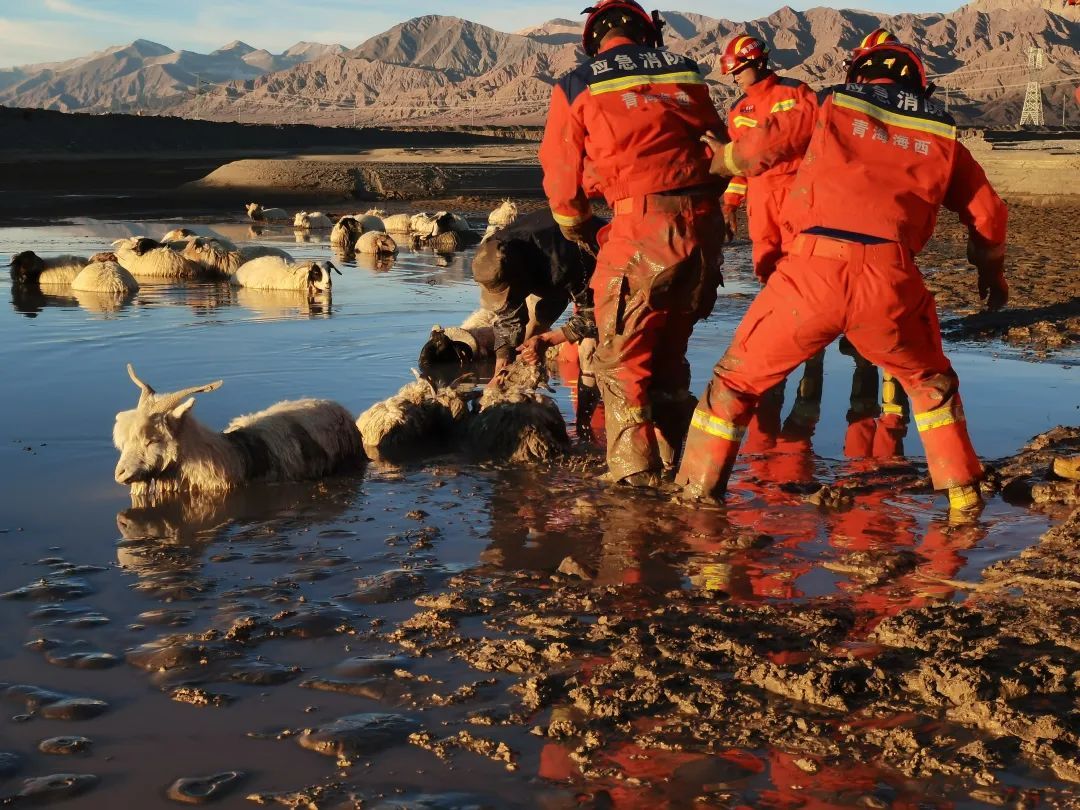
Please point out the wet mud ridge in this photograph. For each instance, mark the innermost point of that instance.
(1043, 270)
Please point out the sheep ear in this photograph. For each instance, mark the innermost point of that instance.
(178, 413)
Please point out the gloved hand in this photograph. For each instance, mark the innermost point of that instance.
(716, 144)
(731, 222)
(989, 260)
(584, 234)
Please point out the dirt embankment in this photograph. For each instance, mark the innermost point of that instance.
(1043, 268)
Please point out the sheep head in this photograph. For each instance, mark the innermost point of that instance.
(352, 227)
(254, 210)
(26, 267)
(148, 436)
(139, 245)
(104, 257)
(318, 276)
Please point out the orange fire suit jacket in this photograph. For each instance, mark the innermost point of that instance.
(625, 124)
(792, 103)
(881, 162)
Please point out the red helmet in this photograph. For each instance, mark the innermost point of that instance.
(608, 14)
(879, 36)
(742, 52)
(893, 61)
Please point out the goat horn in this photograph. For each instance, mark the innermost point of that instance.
(169, 401)
(147, 391)
(332, 266)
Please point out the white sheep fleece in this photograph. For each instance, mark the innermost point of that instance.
(345, 232)
(160, 262)
(275, 273)
(61, 270)
(411, 421)
(376, 243)
(213, 256)
(310, 220)
(105, 277)
(257, 213)
(209, 462)
(504, 215)
(398, 223)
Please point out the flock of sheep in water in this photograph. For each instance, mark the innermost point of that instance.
(165, 451)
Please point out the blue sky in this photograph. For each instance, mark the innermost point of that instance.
(49, 30)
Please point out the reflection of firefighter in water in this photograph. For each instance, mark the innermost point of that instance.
(625, 126)
(885, 159)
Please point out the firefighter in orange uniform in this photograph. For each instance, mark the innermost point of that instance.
(882, 161)
(626, 126)
(792, 105)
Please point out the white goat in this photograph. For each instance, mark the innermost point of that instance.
(398, 223)
(516, 423)
(306, 221)
(147, 258)
(501, 217)
(375, 243)
(104, 275)
(256, 213)
(164, 449)
(274, 273)
(418, 420)
(29, 268)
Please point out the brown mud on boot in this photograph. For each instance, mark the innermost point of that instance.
(965, 504)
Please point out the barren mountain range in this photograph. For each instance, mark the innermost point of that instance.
(444, 70)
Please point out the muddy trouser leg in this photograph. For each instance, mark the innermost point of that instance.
(623, 362)
(893, 324)
(672, 402)
(796, 315)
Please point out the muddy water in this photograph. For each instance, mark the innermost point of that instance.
(296, 605)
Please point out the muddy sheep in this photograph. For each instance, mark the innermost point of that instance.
(398, 223)
(256, 213)
(345, 232)
(420, 419)
(275, 273)
(515, 422)
(375, 243)
(105, 275)
(426, 226)
(502, 216)
(148, 258)
(456, 347)
(216, 257)
(28, 268)
(313, 220)
(165, 450)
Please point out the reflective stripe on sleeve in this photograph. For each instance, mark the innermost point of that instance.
(939, 417)
(729, 159)
(736, 188)
(715, 426)
(569, 221)
(785, 105)
(743, 121)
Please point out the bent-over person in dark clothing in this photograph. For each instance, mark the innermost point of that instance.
(528, 273)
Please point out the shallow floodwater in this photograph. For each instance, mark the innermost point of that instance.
(270, 582)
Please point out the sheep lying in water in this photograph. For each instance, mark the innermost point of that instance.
(312, 220)
(418, 420)
(502, 216)
(375, 243)
(398, 223)
(165, 450)
(220, 259)
(148, 258)
(515, 422)
(457, 347)
(178, 235)
(256, 213)
(104, 275)
(29, 268)
(274, 273)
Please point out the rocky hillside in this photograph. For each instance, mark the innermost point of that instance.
(444, 70)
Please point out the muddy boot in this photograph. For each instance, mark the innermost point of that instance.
(646, 480)
(965, 504)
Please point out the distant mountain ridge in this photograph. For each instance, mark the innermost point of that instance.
(435, 69)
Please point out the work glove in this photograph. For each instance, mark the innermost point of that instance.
(716, 144)
(989, 260)
(584, 234)
(731, 222)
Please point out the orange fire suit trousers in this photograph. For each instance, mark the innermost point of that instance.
(656, 276)
(873, 294)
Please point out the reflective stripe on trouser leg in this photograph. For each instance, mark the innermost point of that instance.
(712, 444)
(949, 452)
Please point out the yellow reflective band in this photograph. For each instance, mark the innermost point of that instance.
(736, 188)
(785, 105)
(569, 221)
(740, 42)
(715, 426)
(964, 497)
(729, 160)
(939, 128)
(940, 417)
(892, 409)
(743, 121)
(626, 82)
